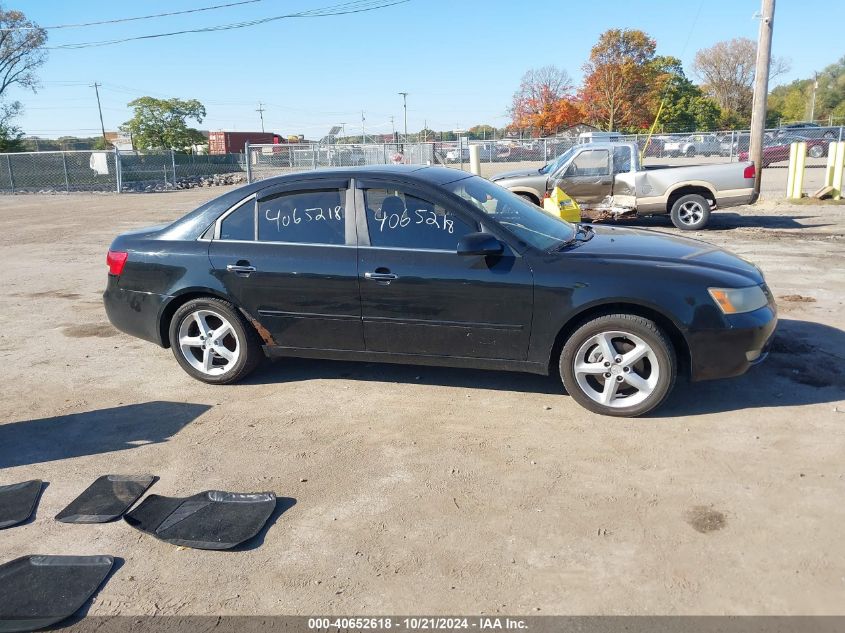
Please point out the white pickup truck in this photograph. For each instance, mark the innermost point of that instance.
(609, 177)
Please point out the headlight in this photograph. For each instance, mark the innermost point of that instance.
(738, 300)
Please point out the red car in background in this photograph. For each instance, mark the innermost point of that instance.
(776, 150)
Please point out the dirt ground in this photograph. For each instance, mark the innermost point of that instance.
(428, 490)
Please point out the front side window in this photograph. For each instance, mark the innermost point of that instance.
(592, 162)
(396, 219)
(304, 217)
(527, 222)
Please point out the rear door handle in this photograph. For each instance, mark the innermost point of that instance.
(241, 270)
(380, 276)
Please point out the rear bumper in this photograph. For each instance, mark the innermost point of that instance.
(135, 313)
(731, 351)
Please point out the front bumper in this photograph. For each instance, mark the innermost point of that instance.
(731, 351)
(133, 312)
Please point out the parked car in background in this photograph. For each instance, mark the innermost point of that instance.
(811, 130)
(610, 175)
(434, 266)
(776, 150)
(693, 145)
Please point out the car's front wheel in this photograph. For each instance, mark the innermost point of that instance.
(618, 364)
(211, 341)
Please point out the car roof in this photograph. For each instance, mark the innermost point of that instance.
(431, 173)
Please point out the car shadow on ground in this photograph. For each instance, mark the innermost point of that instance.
(792, 375)
(93, 432)
(721, 221)
(299, 369)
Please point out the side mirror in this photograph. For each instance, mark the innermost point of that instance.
(479, 244)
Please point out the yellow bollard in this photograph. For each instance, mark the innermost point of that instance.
(790, 170)
(835, 166)
(795, 178)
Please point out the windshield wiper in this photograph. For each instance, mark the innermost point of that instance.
(580, 229)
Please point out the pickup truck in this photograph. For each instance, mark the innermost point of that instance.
(608, 177)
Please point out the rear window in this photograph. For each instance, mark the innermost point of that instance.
(304, 217)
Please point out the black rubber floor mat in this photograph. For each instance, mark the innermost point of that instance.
(37, 591)
(208, 520)
(17, 502)
(106, 499)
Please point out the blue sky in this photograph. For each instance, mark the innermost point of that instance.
(460, 60)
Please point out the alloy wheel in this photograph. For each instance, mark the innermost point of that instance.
(616, 369)
(691, 212)
(209, 342)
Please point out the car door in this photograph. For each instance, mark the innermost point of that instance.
(287, 257)
(587, 177)
(418, 296)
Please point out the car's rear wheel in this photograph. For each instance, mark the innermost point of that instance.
(816, 151)
(690, 212)
(619, 365)
(212, 343)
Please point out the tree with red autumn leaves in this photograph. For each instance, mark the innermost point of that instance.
(618, 80)
(545, 102)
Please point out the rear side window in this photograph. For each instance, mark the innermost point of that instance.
(239, 224)
(396, 219)
(304, 217)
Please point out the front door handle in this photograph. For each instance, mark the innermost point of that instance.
(240, 270)
(388, 277)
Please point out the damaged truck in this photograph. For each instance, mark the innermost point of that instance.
(608, 180)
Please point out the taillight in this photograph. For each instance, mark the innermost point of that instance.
(749, 172)
(116, 260)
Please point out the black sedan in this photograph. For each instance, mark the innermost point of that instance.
(430, 265)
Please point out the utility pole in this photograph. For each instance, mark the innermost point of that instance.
(425, 130)
(405, 108)
(761, 88)
(393, 127)
(363, 135)
(813, 102)
(260, 111)
(96, 87)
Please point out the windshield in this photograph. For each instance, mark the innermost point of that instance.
(554, 165)
(527, 222)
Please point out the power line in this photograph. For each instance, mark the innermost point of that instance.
(345, 8)
(141, 17)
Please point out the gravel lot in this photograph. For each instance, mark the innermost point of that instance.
(428, 490)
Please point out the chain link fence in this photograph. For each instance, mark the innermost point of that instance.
(121, 171)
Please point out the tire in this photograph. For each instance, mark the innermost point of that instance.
(690, 212)
(529, 198)
(655, 370)
(690, 152)
(208, 363)
(815, 151)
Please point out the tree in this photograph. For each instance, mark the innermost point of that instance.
(727, 72)
(10, 135)
(21, 50)
(545, 101)
(685, 107)
(617, 79)
(162, 123)
(21, 53)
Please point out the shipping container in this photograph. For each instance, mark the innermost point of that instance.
(234, 142)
